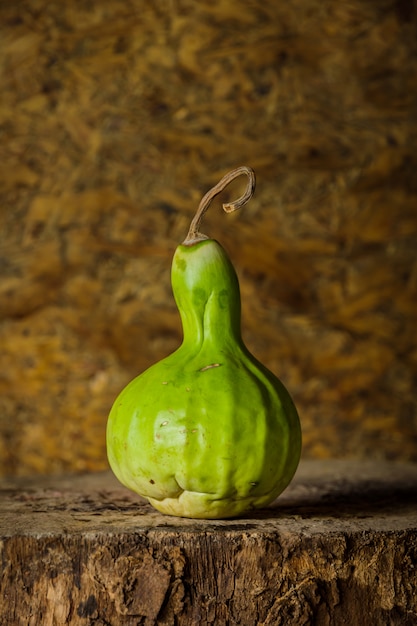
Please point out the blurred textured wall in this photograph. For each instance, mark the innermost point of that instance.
(116, 117)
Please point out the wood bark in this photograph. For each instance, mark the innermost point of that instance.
(338, 547)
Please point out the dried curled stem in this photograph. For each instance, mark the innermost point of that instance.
(194, 235)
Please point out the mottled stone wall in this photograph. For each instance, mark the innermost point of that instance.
(116, 117)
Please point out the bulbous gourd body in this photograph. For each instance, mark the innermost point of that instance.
(208, 432)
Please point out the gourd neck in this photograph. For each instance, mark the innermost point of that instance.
(206, 290)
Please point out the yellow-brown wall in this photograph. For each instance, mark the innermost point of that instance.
(116, 117)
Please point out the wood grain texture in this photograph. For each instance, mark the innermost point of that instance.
(116, 117)
(339, 547)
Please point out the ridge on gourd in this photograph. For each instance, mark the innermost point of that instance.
(208, 431)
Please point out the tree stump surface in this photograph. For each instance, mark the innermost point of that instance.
(338, 547)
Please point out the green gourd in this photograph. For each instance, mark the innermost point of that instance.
(208, 432)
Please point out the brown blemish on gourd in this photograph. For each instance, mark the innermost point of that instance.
(209, 367)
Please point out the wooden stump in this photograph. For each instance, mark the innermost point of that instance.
(338, 547)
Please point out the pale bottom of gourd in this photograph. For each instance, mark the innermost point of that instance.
(205, 506)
